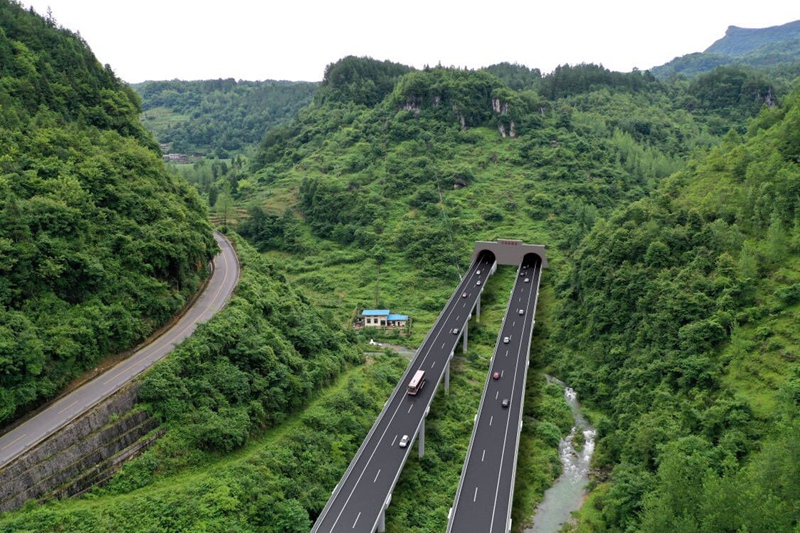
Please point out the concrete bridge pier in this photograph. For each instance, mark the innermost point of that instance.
(421, 437)
(478, 308)
(447, 374)
(382, 516)
(464, 338)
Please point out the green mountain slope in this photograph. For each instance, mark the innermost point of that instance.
(241, 375)
(776, 49)
(679, 319)
(668, 291)
(218, 118)
(99, 245)
(744, 41)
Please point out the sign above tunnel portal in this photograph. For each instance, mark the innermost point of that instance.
(509, 251)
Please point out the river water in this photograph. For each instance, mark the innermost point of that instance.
(569, 490)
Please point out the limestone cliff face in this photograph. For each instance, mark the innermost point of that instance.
(413, 104)
(500, 107)
(511, 132)
(505, 126)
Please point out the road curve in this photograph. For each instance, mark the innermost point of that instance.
(220, 286)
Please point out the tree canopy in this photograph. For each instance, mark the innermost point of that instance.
(99, 245)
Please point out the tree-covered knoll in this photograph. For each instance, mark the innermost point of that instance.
(359, 80)
(218, 118)
(515, 76)
(99, 245)
(43, 67)
(377, 176)
(675, 319)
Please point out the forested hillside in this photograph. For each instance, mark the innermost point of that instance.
(678, 319)
(218, 118)
(673, 253)
(99, 245)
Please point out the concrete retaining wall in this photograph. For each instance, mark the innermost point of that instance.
(85, 452)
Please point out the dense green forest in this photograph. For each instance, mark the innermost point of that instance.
(678, 318)
(670, 213)
(99, 245)
(218, 118)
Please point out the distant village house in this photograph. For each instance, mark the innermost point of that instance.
(175, 158)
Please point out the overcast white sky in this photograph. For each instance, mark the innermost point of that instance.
(295, 39)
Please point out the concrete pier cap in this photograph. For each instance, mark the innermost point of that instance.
(509, 251)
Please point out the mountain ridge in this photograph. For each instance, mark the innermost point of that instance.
(772, 48)
(740, 41)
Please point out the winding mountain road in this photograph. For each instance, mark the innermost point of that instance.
(220, 286)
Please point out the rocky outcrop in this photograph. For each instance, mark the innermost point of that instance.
(85, 452)
(413, 104)
(512, 131)
(498, 106)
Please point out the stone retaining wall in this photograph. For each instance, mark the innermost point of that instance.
(85, 452)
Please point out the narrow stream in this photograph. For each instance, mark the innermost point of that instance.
(567, 493)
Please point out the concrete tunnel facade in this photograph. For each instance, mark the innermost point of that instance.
(509, 251)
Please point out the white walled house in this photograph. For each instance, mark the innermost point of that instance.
(382, 318)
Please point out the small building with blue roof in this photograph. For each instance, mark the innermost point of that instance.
(382, 318)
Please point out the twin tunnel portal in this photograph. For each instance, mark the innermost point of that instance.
(484, 495)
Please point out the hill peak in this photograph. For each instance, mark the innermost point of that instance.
(740, 41)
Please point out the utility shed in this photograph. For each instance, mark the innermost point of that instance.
(397, 321)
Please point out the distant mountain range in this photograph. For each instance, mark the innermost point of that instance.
(764, 48)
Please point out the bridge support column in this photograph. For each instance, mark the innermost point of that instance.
(421, 436)
(464, 338)
(478, 309)
(382, 521)
(447, 374)
(382, 516)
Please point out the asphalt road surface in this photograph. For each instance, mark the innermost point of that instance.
(216, 294)
(360, 496)
(483, 499)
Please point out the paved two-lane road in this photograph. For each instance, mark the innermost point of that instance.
(216, 294)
